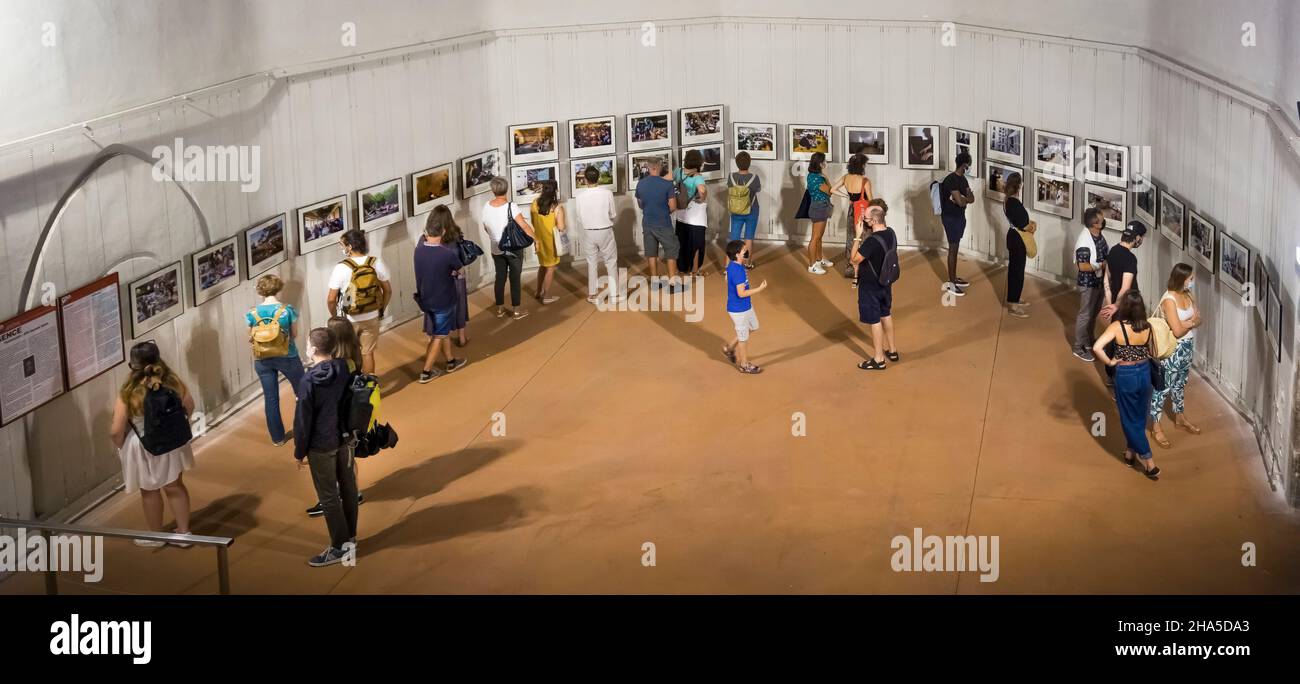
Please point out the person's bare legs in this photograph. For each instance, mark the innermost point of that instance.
(152, 500)
(815, 245)
(436, 345)
(653, 264)
(878, 342)
(545, 274)
(672, 271)
(741, 350)
(368, 363)
(953, 249)
(178, 499)
(887, 322)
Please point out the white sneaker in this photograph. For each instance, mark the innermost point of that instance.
(817, 269)
(150, 544)
(826, 263)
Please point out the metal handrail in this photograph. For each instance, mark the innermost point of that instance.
(222, 544)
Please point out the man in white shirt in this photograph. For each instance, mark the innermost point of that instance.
(596, 214)
(360, 289)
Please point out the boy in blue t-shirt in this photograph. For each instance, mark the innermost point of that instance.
(739, 307)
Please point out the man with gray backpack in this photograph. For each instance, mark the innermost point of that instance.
(876, 255)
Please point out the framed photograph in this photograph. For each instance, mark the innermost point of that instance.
(215, 270)
(1173, 219)
(758, 139)
(1146, 200)
(1259, 280)
(649, 130)
(1274, 319)
(592, 137)
(1112, 203)
(526, 181)
(1105, 163)
(920, 147)
(711, 169)
(430, 188)
(701, 125)
(1054, 195)
(1054, 153)
(961, 140)
(870, 141)
(381, 205)
(1234, 263)
(265, 246)
(1005, 143)
(638, 165)
(1201, 238)
(319, 222)
(477, 172)
(997, 175)
(155, 299)
(807, 140)
(608, 174)
(534, 142)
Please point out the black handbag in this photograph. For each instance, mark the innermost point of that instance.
(469, 251)
(806, 202)
(1157, 376)
(513, 238)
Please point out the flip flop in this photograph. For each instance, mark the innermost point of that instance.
(871, 365)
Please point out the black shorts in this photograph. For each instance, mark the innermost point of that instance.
(954, 227)
(874, 301)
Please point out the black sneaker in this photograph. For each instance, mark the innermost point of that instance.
(955, 289)
(961, 282)
(428, 376)
(361, 498)
(330, 556)
(456, 364)
(315, 511)
(1084, 355)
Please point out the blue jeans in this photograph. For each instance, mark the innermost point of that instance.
(744, 226)
(1133, 398)
(268, 371)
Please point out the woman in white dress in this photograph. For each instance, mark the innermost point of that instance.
(154, 476)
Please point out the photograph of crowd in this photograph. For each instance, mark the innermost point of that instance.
(1234, 263)
(1146, 198)
(381, 205)
(649, 130)
(1006, 142)
(997, 175)
(155, 299)
(711, 168)
(320, 221)
(867, 140)
(1112, 204)
(606, 166)
(701, 125)
(1201, 238)
(758, 139)
(591, 137)
(638, 165)
(477, 171)
(527, 180)
(215, 270)
(431, 188)
(1054, 195)
(534, 142)
(807, 140)
(921, 149)
(962, 141)
(1105, 163)
(1054, 153)
(1173, 216)
(264, 245)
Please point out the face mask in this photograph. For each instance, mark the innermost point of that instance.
(1189, 286)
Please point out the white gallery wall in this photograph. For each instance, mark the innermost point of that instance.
(331, 131)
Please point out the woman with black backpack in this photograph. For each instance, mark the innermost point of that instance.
(151, 431)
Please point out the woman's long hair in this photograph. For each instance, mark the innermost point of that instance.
(1178, 278)
(815, 164)
(148, 372)
(1133, 310)
(441, 217)
(549, 197)
(1014, 181)
(349, 346)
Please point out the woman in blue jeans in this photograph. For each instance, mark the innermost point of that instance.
(270, 369)
(1132, 363)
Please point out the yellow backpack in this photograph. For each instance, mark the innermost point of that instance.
(266, 336)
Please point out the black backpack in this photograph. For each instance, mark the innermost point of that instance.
(889, 269)
(358, 405)
(166, 427)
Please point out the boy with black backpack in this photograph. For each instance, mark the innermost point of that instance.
(878, 252)
(360, 289)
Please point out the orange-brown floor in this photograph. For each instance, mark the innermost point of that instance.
(627, 428)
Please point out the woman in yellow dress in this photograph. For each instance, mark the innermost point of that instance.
(548, 217)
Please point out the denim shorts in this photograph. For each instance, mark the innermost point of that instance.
(440, 322)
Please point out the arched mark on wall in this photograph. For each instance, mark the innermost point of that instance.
(102, 158)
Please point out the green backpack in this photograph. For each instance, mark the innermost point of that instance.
(739, 201)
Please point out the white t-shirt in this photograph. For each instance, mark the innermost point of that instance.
(341, 276)
(494, 221)
(595, 208)
(695, 213)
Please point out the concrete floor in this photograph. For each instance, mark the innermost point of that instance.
(627, 428)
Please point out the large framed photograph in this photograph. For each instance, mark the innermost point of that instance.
(1173, 219)
(711, 168)
(1259, 284)
(996, 173)
(215, 270)
(265, 246)
(534, 142)
(1005, 142)
(1273, 320)
(1105, 163)
(871, 142)
(1112, 203)
(701, 125)
(1054, 195)
(1146, 201)
(807, 140)
(477, 172)
(649, 130)
(920, 146)
(1054, 153)
(155, 299)
(430, 188)
(526, 181)
(758, 139)
(961, 141)
(638, 165)
(608, 174)
(381, 205)
(318, 222)
(1201, 238)
(1234, 263)
(593, 137)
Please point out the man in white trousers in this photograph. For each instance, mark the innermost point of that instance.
(596, 214)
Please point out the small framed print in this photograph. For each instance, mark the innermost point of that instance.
(320, 221)
(215, 270)
(1054, 195)
(155, 299)
(593, 137)
(1112, 203)
(961, 141)
(1146, 200)
(701, 125)
(649, 130)
(997, 173)
(807, 140)
(1005, 143)
(1054, 153)
(1173, 219)
(1202, 236)
(758, 139)
(871, 142)
(1105, 163)
(640, 163)
(711, 166)
(381, 205)
(920, 147)
(1234, 263)
(607, 167)
(431, 188)
(527, 181)
(1274, 319)
(265, 245)
(1259, 284)
(477, 172)
(534, 142)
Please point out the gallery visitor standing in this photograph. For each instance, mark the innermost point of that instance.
(819, 212)
(1090, 252)
(596, 214)
(1017, 250)
(1129, 335)
(743, 188)
(275, 352)
(1178, 307)
(1121, 274)
(496, 215)
(548, 223)
(875, 253)
(454, 237)
(656, 197)
(740, 307)
(954, 196)
(693, 218)
(360, 288)
(437, 267)
(858, 187)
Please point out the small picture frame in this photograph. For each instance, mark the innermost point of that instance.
(1105, 163)
(701, 125)
(1202, 237)
(531, 143)
(1112, 203)
(961, 140)
(1054, 153)
(996, 175)
(649, 130)
(319, 222)
(266, 245)
(381, 205)
(1005, 143)
(1173, 219)
(809, 139)
(477, 172)
(591, 137)
(1054, 195)
(758, 139)
(431, 188)
(920, 146)
(215, 269)
(155, 299)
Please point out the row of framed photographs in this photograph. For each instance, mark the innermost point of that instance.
(921, 151)
(526, 180)
(533, 143)
(1054, 154)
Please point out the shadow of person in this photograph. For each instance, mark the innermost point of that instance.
(1088, 401)
(210, 387)
(828, 320)
(229, 516)
(441, 522)
(431, 475)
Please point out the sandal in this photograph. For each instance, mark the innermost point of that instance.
(750, 369)
(730, 354)
(892, 356)
(1153, 474)
(871, 364)
(1185, 425)
(1160, 439)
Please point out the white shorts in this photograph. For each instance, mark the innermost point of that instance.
(745, 321)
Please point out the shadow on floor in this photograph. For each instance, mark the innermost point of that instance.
(229, 516)
(441, 522)
(433, 474)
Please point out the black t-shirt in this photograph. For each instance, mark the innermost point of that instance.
(950, 184)
(1016, 214)
(873, 255)
(1119, 261)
